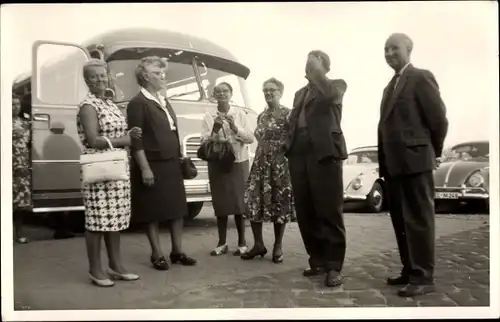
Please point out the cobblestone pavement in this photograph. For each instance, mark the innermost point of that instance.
(51, 274)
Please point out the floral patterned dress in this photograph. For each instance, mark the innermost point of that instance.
(107, 204)
(21, 165)
(268, 193)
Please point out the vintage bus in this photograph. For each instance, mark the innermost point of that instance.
(56, 86)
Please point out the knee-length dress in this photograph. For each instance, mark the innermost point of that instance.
(107, 204)
(268, 191)
(21, 165)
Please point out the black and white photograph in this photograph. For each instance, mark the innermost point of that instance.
(269, 160)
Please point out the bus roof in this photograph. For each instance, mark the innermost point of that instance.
(175, 40)
(138, 36)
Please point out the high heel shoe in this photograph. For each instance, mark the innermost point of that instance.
(101, 283)
(122, 277)
(182, 259)
(219, 250)
(160, 263)
(277, 256)
(254, 252)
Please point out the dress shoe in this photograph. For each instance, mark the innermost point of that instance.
(122, 277)
(182, 259)
(160, 263)
(400, 280)
(308, 272)
(254, 252)
(333, 279)
(101, 283)
(411, 290)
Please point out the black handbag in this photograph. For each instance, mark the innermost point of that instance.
(216, 151)
(188, 168)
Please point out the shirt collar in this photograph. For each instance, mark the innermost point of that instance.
(149, 96)
(402, 70)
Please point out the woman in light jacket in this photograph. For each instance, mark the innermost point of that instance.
(227, 184)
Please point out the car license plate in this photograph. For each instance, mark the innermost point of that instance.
(447, 195)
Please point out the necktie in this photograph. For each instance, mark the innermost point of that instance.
(391, 86)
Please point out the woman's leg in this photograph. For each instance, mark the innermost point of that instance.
(176, 227)
(93, 242)
(112, 241)
(279, 231)
(257, 235)
(153, 234)
(222, 229)
(17, 221)
(240, 227)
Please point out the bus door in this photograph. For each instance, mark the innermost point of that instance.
(57, 88)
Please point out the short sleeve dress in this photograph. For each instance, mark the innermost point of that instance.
(107, 204)
(21, 165)
(268, 193)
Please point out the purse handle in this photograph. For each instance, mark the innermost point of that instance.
(223, 131)
(109, 142)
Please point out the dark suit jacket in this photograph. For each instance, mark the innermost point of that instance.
(158, 141)
(412, 126)
(323, 116)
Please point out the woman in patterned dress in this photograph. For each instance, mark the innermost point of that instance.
(269, 192)
(107, 204)
(21, 169)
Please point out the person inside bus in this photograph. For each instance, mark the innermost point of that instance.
(227, 186)
(269, 190)
(21, 169)
(158, 193)
(107, 204)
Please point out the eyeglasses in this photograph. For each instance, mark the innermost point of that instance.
(270, 90)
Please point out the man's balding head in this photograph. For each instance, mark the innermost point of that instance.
(398, 48)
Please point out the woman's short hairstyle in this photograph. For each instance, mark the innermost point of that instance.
(225, 83)
(140, 71)
(324, 58)
(276, 82)
(94, 63)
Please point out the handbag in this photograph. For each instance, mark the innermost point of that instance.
(217, 151)
(188, 168)
(107, 166)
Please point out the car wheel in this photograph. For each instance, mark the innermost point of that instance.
(375, 199)
(194, 209)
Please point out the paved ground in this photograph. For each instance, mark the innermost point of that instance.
(51, 274)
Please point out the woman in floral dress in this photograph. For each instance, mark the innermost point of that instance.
(21, 169)
(269, 192)
(107, 204)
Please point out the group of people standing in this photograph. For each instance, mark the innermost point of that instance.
(297, 169)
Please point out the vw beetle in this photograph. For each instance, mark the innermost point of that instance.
(463, 175)
(361, 179)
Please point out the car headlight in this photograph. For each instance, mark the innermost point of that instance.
(357, 183)
(475, 180)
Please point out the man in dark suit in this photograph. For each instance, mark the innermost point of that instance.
(411, 133)
(315, 149)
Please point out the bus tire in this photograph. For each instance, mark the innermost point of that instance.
(194, 209)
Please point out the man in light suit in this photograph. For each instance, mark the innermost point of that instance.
(411, 133)
(315, 149)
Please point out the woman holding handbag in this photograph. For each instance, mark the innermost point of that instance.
(227, 180)
(158, 193)
(102, 128)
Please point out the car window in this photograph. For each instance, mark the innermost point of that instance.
(468, 151)
(367, 157)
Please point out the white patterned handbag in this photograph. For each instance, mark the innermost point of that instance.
(106, 166)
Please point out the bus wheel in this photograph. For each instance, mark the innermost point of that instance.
(194, 209)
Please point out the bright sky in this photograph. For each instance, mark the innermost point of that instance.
(457, 41)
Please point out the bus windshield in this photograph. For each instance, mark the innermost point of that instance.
(181, 80)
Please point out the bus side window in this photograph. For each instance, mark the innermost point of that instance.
(60, 82)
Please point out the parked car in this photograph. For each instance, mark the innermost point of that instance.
(361, 179)
(463, 175)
